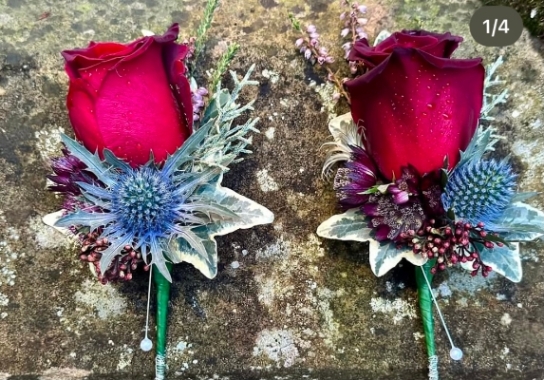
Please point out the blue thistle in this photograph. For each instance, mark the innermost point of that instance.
(145, 202)
(479, 191)
(146, 207)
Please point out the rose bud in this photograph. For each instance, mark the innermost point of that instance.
(133, 98)
(416, 104)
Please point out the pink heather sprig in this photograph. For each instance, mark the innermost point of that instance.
(310, 46)
(197, 97)
(354, 23)
(191, 43)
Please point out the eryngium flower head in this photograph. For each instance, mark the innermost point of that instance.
(144, 208)
(145, 202)
(355, 178)
(480, 191)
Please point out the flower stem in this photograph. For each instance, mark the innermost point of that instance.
(332, 77)
(203, 27)
(162, 286)
(426, 308)
(222, 67)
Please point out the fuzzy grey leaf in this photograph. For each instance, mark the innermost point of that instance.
(225, 141)
(218, 101)
(183, 154)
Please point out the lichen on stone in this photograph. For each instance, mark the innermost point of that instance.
(278, 346)
(397, 309)
(103, 299)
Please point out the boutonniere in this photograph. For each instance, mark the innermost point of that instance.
(142, 181)
(411, 161)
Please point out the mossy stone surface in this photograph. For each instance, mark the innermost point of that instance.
(296, 307)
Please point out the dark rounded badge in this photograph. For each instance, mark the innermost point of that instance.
(496, 26)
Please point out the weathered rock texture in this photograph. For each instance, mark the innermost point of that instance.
(296, 307)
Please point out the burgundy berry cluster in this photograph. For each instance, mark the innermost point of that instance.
(451, 245)
(122, 265)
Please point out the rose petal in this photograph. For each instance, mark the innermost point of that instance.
(173, 62)
(136, 112)
(121, 98)
(441, 45)
(81, 111)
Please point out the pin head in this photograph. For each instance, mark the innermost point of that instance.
(456, 353)
(146, 344)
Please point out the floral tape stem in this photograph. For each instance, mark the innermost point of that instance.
(426, 308)
(162, 286)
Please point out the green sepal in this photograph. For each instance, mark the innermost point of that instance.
(443, 178)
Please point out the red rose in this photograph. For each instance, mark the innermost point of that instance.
(416, 105)
(131, 98)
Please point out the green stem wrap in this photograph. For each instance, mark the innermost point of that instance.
(162, 287)
(426, 308)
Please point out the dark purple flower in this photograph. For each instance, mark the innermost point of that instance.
(68, 171)
(406, 206)
(389, 219)
(355, 178)
(431, 192)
